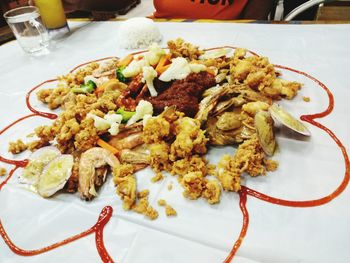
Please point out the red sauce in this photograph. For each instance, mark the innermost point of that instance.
(242, 205)
(8, 177)
(106, 213)
(36, 112)
(103, 219)
(306, 203)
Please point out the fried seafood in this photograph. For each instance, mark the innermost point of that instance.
(194, 163)
(196, 185)
(249, 158)
(160, 109)
(159, 155)
(190, 139)
(17, 147)
(230, 128)
(90, 160)
(54, 98)
(180, 48)
(125, 181)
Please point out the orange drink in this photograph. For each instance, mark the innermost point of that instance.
(52, 13)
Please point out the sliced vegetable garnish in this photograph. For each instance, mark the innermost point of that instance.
(107, 146)
(126, 61)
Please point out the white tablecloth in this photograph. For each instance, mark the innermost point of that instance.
(200, 233)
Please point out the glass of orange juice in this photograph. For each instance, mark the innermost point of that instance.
(53, 17)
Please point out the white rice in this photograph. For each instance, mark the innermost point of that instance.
(138, 32)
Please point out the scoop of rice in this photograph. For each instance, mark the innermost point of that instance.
(138, 32)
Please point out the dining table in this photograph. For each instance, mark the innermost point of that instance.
(298, 213)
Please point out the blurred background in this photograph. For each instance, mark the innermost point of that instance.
(122, 9)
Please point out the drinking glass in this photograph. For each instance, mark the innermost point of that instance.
(53, 16)
(25, 22)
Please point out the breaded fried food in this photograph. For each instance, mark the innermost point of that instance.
(249, 158)
(17, 147)
(143, 207)
(156, 130)
(125, 181)
(180, 48)
(212, 191)
(194, 163)
(159, 153)
(194, 185)
(190, 139)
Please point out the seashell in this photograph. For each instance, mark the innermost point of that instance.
(282, 116)
(37, 161)
(55, 175)
(264, 129)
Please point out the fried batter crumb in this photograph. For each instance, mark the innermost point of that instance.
(17, 147)
(180, 48)
(2, 171)
(156, 130)
(54, 98)
(122, 170)
(158, 177)
(306, 99)
(248, 158)
(271, 165)
(143, 193)
(169, 211)
(126, 184)
(212, 191)
(170, 186)
(194, 163)
(161, 202)
(126, 189)
(211, 168)
(143, 207)
(35, 145)
(190, 139)
(159, 153)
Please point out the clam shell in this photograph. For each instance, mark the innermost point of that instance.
(37, 161)
(55, 175)
(282, 116)
(264, 129)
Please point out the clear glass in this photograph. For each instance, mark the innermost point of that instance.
(29, 31)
